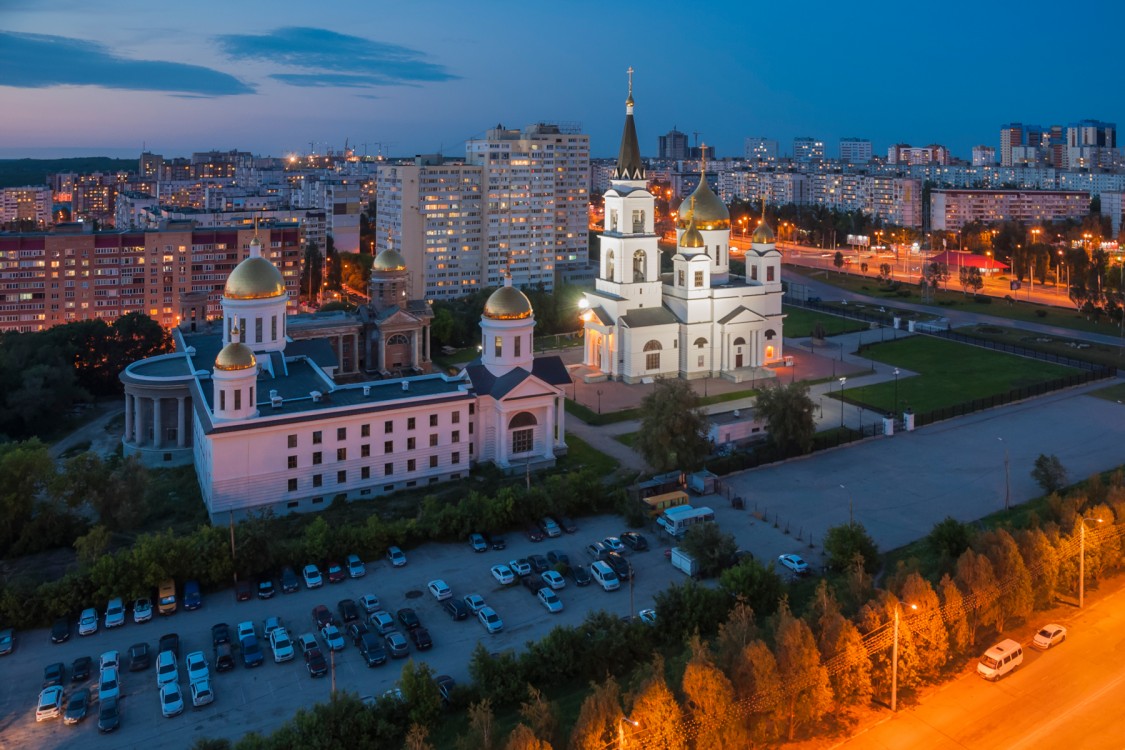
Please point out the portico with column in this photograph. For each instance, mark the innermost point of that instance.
(158, 396)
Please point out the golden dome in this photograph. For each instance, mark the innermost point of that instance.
(763, 235)
(254, 278)
(507, 303)
(692, 238)
(710, 211)
(389, 260)
(235, 356)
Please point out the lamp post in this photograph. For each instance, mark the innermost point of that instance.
(894, 662)
(621, 729)
(896, 391)
(599, 401)
(1082, 559)
(842, 381)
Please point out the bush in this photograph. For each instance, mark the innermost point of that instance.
(1049, 473)
(982, 299)
(948, 539)
(843, 543)
(711, 547)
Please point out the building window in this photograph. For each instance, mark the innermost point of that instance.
(273, 328)
(410, 422)
(698, 279)
(456, 417)
(680, 279)
(523, 441)
(456, 458)
(341, 477)
(317, 458)
(341, 433)
(411, 464)
(365, 472)
(410, 444)
(498, 345)
(700, 342)
(258, 330)
(517, 346)
(433, 440)
(341, 454)
(470, 428)
(389, 446)
(753, 273)
(222, 400)
(292, 462)
(433, 420)
(769, 273)
(652, 355)
(388, 469)
(388, 427)
(292, 485)
(316, 438)
(317, 480)
(472, 409)
(292, 441)
(365, 450)
(699, 361)
(237, 399)
(365, 430)
(433, 462)
(456, 437)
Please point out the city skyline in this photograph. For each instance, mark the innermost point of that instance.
(400, 80)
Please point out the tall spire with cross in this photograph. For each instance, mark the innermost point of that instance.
(629, 166)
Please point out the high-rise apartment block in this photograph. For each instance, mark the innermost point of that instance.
(950, 210)
(983, 156)
(760, 149)
(902, 153)
(673, 146)
(25, 207)
(855, 150)
(807, 149)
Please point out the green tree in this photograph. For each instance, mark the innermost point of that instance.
(758, 585)
(710, 701)
(735, 633)
(711, 547)
(977, 582)
(442, 327)
(808, 693)
(420, 693)
(674, 429)
(539, 715)
(655, 714)
(687, 607)
(787, 411)
(844, 542)
(522, 738)
(839, 642)
(1042, 560)
(878, 614)
(954, 615)
(838, 260)
(1049, 473)
(931, 639)
(481, 734)
(312, 272)
(26, 469)
(83, 479)
(757, 681)
(1016, 598)
(93, 545)
(599, 718)
(948, 539)
(125, 503)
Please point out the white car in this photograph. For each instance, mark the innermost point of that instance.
(110, 660)
(396, 556)
(50, 703)
(647, 616)
(313, 579)
(381, 621)
(196, 665)
(614, 543)
(475, 602)
(166, 669)
(109, 685)
(794, 563)
(554, 579)
(171, 700)
(115, 613)
(369, 602)
(245, 629)
(1049, 635)
(356, 567)
(549, 599)
(142, 611)
(503, 575)
(491, 621)
(201, 693)
(332, 637)
(281, 645)
(520, 567)
(88, 622)
(440, 590)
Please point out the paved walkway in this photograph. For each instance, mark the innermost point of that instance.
(94, 433)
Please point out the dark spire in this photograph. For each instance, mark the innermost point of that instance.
(629, 165)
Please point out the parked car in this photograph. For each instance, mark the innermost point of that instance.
(520, 566)
(201, 693)
(355, 631)
(554, 579)
(110, 660)
(382, 622)
(220, 633)
(1049, 635)
(396, 557)
(333, 638)
(109, 716)
(477, 542)
(115, 613)
(251, 652)
(647, 616)
(80, 669)
(142, 610)
(50, 703)
(567, 525)
(503, 575)
(557, 557)
(614, 544)
(224, 657)
(171, 700)
(269, 625)
(348, 610)
(336, 573)
(356, 567)
(88, 621)
(532, 532)
(532, 583)
(170, 642)
(166, 597)
(396, 644)
(242, 591)
(281, 646)
(597, 550)
(634, 541)
(421, 638)
(109, 684)
(60, 631)
(245, 629)
(456, 608)
(409, 618)
(371, 647)
(54, 674)
(313, 579)
(193, 599)
(580, 575)
(166, 669)
(491, 621)
(440, 589)
(289, 581)
(369, 602)
(195, 664)
(475, 602)
(620, 565)
(794, 563)
(266, 589)
(77, 706)
(314, 658)
(140, 657)
(322, 616)
(538, 563)
(549, 599)
(496, 541)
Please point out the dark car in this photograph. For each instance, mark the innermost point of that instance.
(322, 616)
(60, 631)
(421, 638)
(396, 644)
(533, 533)
(567, 525)
(533, 583)
(557, 557)
(80, 669)
(336, 573)
(634, 541)
(193, 599)
(220, 633)
(242, 591)
(266, 589)
(349, 610)
(371, 646)
(409, 618)
(140, 657)
(445, 686)
(252, 655)
(356, 630)
(539, 563)
(580, 575)
(597, 550)
(456, 608)
(620, 565)
(496, 541)
(289, 581)
(77, 707)
(224, 657)
(54, 674)
(109, 718)
(170, 642)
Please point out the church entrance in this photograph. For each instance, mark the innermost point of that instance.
(738, 360)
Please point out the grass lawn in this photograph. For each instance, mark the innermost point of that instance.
(629, 438)
(800, 322)
(948, 374)
(580, 455)
(1102, 354)
(1113, 393)
(591, 417)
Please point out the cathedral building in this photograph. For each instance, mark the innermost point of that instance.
(698, 321)
(288, 413)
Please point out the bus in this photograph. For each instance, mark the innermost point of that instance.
(657, 504)
(679, 519)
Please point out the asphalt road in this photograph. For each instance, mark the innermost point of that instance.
(263, 698)
(1068, 697)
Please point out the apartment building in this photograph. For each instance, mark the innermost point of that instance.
(983, 156)
(758, 148)
(950, 210)
(855, 150)
(673, 145)
(26, 205)
(807, 149)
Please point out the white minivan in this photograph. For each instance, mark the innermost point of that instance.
(604, 575)
(1001, 659)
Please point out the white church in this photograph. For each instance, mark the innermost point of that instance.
(697, 321)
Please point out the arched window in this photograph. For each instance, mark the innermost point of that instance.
(609, 264)
(522, 426)
(523, 419)
(639, 266)
(740, 341)
(652, 355)
(398, 339)
(770, 334)
(700, 343)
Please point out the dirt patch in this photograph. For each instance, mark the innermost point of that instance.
(43, 566)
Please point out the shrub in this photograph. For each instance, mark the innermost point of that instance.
(982, 299)
(948, 539)
(844, 542)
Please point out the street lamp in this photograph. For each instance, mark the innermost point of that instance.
(599, 401)
(1082, 559)
(621, 729)
(894, 661)
(842, 381)
(896, 391)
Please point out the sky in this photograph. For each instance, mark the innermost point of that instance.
(400, 78)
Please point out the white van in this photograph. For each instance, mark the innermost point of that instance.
(604, 575)
(1001, 659)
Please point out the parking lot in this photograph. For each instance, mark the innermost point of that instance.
(263, 698)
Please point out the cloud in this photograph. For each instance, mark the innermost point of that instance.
(40, 61)
(334, 59)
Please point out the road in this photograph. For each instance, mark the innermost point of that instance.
(1068, 697)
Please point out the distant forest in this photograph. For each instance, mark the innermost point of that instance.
(20, 172)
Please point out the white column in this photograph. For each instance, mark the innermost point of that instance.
(128, 418)
(414, 348)
(157, 425)
(429, 350)
(549, 438)
(561, 411)
(501, 439)
(138, 420)
(181, 438)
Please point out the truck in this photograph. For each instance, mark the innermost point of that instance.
(685, 562)
(703, 482)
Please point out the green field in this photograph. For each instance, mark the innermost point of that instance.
(1102, 354)
(948, 374)
(800, 322)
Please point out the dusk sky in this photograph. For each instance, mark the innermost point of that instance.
(82, 78)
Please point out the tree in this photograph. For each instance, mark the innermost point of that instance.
(1015, 598)
(522, 738)
(417, 738)
(735, 633)
(838, 260)
(759, 586)
(787, 411)
(25, 471)
(840, 644)
(709, 696)
(948, 539)
(1049, 473)
(599, 718)
(756, 679)
(1042, 560)
(931, 640)
(885, 271)
(954, 615)
(808, 694)
(711, 547)
(978, 584)
(878, 614)
(673, 428)
(312, 272)
(93, 545)
(420, 693)
(844, 542)
(539, 715)
(482, 727)
(655, 714)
